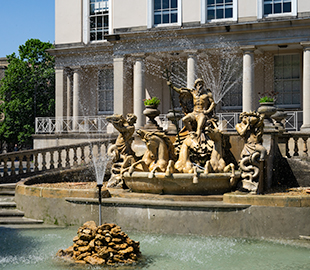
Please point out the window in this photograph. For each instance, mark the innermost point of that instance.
(233, 98)
(105, 91)
(277, 6)
(287, 80)
(98, 19)
(219, 10)
(268, 8)
(164, 12)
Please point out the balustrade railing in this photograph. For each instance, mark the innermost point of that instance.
(296, 144)
(15, 165)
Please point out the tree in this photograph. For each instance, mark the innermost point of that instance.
(28, 91)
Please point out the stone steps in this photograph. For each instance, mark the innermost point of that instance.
(7, 193)
(18, 220)
(9, 215)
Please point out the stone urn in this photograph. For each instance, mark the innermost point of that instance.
(151, 112)
(267, 109)
(279, 118)
(173, 118)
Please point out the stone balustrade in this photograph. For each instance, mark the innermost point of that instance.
(295, 144)
(19, 164)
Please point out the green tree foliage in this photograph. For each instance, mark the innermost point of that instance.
(28, 91)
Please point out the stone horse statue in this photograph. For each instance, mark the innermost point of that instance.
(159, 155)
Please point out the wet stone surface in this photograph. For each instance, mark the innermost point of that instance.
(103, 245)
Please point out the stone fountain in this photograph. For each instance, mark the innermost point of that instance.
(197, 161)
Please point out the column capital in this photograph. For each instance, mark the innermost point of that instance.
(59, 68)
(75, 68)
(138, 56)
(248, 48)
(191, 52)
(305, 45)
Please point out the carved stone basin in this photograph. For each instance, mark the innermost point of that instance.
(181, 183)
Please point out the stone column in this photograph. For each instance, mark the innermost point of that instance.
(248, 98)
(191, 69)
(306, 87)
(119, 88)
(76, 92)
(69, 94)
(139, 90)
(59, 98)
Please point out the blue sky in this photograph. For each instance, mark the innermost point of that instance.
(21, 20)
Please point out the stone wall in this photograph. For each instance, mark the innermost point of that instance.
(173, 217)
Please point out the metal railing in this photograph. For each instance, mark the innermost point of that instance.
(293, 120)
(228, 121)
(83, 124)
(86, 124)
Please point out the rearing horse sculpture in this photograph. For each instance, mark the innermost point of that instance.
(159, 155)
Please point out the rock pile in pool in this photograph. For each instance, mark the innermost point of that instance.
(105, 244)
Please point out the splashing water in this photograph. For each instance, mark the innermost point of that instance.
(36, 249)
(100, 162)
(221, 68)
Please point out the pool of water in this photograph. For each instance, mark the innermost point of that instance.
(35, 249)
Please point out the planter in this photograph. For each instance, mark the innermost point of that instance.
(151, 112)
(279, 118)
(267, 109)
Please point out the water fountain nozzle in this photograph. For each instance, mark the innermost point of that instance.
(99, 188)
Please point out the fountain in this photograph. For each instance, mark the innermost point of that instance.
(199, 161)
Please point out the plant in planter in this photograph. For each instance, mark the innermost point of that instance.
(151, 112)
(154, 101)
(267, 108)
(267, 96)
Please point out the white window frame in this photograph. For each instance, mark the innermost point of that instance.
(86, 22)
(204, 13)
(150, 15)
(260, 10)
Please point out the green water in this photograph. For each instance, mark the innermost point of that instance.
(36, 249)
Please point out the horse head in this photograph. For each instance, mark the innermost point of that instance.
(115, 118)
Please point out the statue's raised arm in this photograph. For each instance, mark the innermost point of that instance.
(185, 98)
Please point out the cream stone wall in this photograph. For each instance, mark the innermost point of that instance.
(303, 6)
(191, 11)
(68, 21)
(128, 14)
(247, 10)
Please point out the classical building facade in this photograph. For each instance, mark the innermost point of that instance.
(3, 65)
(112, 54)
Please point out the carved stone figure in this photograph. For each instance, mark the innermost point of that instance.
(198, 106)
(126, 129)
(217, 163)
(253, 153)
(159, 156)
(121, 153)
